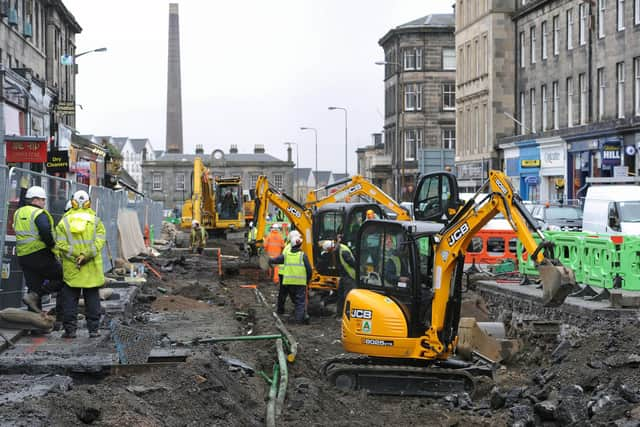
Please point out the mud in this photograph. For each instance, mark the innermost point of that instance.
(587, 374)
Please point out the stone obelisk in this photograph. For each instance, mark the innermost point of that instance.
(174, 91)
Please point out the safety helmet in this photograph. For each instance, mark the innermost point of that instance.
(295, 238)
(371, 214)
(36, 192)
(194, 223)
(250, 223)
(68, 206)
(275, 227)
(328, 244)
(81, 200)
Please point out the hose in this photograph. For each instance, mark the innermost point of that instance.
(291, 341)
(284, 377)
(271, 405)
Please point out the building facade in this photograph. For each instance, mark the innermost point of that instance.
(168, 178)
(577, 94)
(374, 165)
(420, 64)
(484, 86)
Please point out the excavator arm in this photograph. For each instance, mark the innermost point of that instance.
(356, 186)
(453, 242)
(297, 215)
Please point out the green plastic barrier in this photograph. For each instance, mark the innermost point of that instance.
(600, 261)
(526, 266)
(630, 263)
(569, 250)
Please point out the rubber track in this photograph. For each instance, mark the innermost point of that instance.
(358, 365)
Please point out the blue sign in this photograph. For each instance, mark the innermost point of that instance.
(531, 180)
(611, 153)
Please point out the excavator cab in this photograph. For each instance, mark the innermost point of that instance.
(436, 198)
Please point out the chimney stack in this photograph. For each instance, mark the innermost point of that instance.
(199, 149)
(289, 159)
(233, 149)
(258, 149)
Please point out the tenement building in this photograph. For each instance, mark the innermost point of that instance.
(419, 125)
(484, 86)
(577, 95)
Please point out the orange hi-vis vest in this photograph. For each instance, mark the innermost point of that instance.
(274, 244)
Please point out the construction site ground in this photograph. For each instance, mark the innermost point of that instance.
(579, 368)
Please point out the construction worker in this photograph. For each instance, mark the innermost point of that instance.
(198, 237)
(371, 214)
(80, 237)
(33, 225)
(295, 279)
(251, 239)
(346, 270)
(273, 246)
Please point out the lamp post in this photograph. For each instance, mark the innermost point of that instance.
(399, 151)
(345, 136)
(315, 131)
(295, 181)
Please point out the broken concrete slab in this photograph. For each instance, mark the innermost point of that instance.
(16, 388)
(624, 299)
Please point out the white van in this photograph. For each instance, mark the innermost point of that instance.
(613, 209)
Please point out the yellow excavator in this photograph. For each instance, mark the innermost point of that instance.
(316, 227)
(401, 322)
(215, 203)
(348, 188)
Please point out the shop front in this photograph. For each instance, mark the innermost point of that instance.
(86, 161)
(595, 157)
(553, 169)
(529, 170)
(511, 166)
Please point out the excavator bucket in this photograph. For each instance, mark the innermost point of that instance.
(558, 282)
(486, 339)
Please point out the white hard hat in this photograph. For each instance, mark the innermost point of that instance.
(36, 191)
(275, 227)
(81, 197)
(295, 238)
(328, 244)
(194, 223)
(250, 223)
(67, 206)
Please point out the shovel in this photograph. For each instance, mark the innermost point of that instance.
(558, 282)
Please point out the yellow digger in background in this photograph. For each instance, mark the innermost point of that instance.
(216, 203)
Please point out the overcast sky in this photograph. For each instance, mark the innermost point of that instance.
(253, 71)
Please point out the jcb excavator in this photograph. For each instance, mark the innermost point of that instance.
(402, 319)
(316, 226)
(215, 203)
(351, 187)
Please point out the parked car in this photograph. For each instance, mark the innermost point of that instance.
(612, 209)
(555, 217)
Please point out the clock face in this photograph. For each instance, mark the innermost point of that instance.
(218, 154)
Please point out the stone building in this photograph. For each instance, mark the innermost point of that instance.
(484, 86)
(374, 165)
(577, 95)
(168, 178)
(38, 91)
(420, 64)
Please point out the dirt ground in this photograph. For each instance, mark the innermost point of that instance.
(587, 375)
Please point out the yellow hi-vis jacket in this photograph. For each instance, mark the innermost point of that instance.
(81, 232)
(283, 268)
(295, 273)
(28, 238)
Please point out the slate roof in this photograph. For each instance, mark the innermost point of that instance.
(119, 142)
(339, 176)
(301, 174)
(322, 177)
(138, 144)
(433, 20)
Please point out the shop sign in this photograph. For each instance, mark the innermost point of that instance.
(553, 158)
(470, 171)
(531, 180)
(57, 161)
(530, 163)
(630, 150)
(32, 151)
(611, 153)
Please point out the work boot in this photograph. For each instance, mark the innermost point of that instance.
(94, 334)
(32, 301)
(69, 334)
(57, 325)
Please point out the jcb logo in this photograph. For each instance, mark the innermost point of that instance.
(458, 234)
(355, 188)
(294, 212)
(501, 186)
(342, 194)
(357, 313)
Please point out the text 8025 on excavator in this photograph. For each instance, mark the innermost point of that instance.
(403, 318)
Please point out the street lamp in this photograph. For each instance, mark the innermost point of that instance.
(345, 136)
(100, 49)
(71, 59)
(315, 131)
(297, 166)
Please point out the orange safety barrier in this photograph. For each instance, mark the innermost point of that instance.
(491, 247)
(219, 256)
